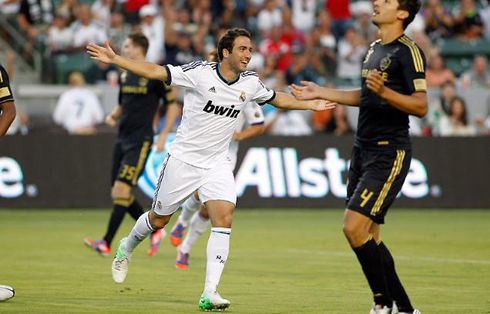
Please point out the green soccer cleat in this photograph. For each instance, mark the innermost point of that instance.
(120, 264)
(213, 302)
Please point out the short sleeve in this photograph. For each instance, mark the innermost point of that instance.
(414, 68)
(263, 94)
(185, 76)
(253, 114)
(5, 90)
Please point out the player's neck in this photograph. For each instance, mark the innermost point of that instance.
(389, 33)
(227, 72)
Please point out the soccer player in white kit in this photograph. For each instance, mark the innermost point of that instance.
(250, 124)
(214, 95)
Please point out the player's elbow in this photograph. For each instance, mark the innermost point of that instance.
(9, 112)
(422, 111)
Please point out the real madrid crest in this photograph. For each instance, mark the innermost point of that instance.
(243, 96)
(143, 81)
(385, 63)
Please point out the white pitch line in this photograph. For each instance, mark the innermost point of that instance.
(420, 258)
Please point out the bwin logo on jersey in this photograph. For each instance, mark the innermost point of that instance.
(221, 111)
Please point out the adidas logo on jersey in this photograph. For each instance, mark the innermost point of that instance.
(221, 111)
(212, 90)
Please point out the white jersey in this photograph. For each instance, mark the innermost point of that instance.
(252, 115)
(211, 109)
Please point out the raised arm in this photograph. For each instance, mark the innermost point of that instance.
(141, 68)
(284, 101)
(310, 90)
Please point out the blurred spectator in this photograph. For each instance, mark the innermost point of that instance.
(323, 58)
(478, 76)
(86, 31)
(60, 37)
(485, 15)
(340, 15)
(338, 124)
(456, 124)
(152, 26)
(437, 74)
(276, 46)
(257, 63)
(184, 43)
(440, 107)
(350, 54)
(118, 31)
(467, 22)
(269, 17)
(78, 109)
(68, 10)
(304, 13)
(101, 12)
(363, 25)
(438, 20)
(287, 123)
(131, 10)
(34, 18)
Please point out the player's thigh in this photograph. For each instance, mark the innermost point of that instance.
(382, 177)
(176, 183)
(218, 184)
(133, 162)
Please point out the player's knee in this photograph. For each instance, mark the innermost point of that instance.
(203, 213)
(352, 233)
(157, 221)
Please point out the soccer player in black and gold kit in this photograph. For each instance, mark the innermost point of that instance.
(139, 99)
(7, 107)
(393, 87)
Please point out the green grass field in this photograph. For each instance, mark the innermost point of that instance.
(291, 261)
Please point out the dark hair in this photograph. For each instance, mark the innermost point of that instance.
(412, 7)
(464, 115)
(139, 40)
(227, 40)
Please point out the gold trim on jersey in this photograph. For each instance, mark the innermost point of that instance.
(417, 57)
(141, 160)
(395, 171)
(4, 92)
(1, 77)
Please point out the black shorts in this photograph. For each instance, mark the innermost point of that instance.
(375, 179)
(129, 161)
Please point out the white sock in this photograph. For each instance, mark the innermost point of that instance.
(141, 231)
(217, 254)
(191, 205)
(197, 226)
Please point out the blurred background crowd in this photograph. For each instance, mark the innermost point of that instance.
(42, 43)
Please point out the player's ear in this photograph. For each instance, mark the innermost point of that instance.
(226, 53)
(402, 14)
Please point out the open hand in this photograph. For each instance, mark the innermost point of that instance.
(103, 54)
(110, 121)
(375, 83)
(322, 105)
(307, 91)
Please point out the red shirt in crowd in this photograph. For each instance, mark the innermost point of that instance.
(338, 9)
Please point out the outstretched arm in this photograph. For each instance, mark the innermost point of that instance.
(310, 90)
(7, 117)
(284, 101)
(142, 68)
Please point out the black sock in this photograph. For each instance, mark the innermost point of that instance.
(115, 221)
(369, 256)
(135, 210)
(395, 287)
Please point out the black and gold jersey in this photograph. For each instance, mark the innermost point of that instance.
(5, 90)
(402, 65)
(140, 98)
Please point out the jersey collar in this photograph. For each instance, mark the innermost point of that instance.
(225, 80)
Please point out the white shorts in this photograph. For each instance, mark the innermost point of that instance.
(178, 180)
